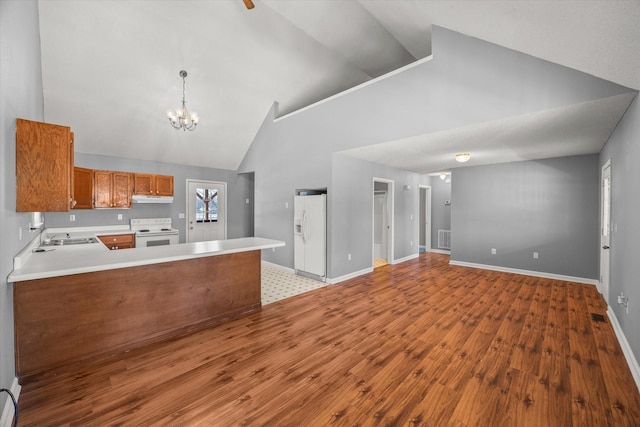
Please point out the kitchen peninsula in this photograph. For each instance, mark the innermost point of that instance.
(85, 301)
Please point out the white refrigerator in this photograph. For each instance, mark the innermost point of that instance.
(310, 235)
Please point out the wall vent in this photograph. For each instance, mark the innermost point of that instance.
(444, 239)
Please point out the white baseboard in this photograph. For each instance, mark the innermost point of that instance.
(584, 280)
(407, 258)
(439, 251)
(6, 420)
(626, 348)
(333, 281)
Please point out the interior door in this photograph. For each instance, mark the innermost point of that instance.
(605, 230)
(380, 225)
(206, 207)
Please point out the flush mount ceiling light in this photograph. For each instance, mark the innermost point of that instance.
(180, 118)
(463, 157)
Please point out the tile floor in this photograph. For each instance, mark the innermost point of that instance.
(279, 284)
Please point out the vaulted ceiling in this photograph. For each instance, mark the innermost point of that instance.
(110, 68)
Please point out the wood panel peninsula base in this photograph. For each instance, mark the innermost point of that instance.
(65, 319)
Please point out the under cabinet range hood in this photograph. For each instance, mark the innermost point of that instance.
(141, 198)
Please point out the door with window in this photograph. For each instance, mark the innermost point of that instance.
(206, 207)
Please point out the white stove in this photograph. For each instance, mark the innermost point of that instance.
(154, 232)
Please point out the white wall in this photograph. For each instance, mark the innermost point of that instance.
(20, 96)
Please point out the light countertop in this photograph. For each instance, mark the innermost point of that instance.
(76, 259)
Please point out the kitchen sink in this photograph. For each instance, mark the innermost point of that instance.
(70, 241)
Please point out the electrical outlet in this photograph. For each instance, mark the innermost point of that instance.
(411, 243)
(623, 301)
(72, 217)
(493, 251)
(349, 257)
(246, 201)
(119, 217)
(181, 215)
(535, 255)
(286, 205)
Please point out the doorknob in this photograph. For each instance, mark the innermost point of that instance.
(605, 247)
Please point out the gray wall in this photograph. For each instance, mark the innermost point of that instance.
(20, 96)
(351, 213)
(547, 206)
(623, 149)
(239, 188)
(296, 151)
(440, 213)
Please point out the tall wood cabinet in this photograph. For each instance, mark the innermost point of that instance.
(112, 189)
(153, 185)
(44, 167)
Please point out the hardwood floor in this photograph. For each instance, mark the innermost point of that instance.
(421, 343)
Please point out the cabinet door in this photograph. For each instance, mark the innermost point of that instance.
(44, 167)
(164, 185)
(83, 188)
(102, 183)
(143, 184)
(121, 190)
(118, 241)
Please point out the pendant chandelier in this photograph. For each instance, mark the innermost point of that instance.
(180, 118)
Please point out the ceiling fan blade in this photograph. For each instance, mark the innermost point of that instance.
(249, 4)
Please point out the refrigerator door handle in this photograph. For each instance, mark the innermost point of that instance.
(304, 226)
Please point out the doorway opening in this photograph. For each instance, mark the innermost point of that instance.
(382, 222)
(206, 210)
(424, 237)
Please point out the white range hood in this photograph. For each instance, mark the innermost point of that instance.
(140, 198)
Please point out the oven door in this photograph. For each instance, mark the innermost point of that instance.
(143, 241)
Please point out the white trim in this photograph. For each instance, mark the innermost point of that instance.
(584, 280)
(349, 276)
(279, 267)
(391, 208)
(601, 250)
(6, 420)
(355, 88)
(407, 258)
(626, 348)
(439, 251)
(427, 213)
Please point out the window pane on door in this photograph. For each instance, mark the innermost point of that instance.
(206, 204)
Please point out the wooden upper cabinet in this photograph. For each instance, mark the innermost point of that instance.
(82, 188)
(112, 189)
(153, 185)
(164, 185)
(44, 167)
